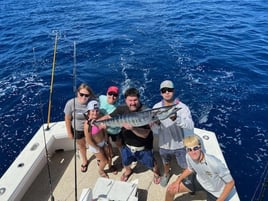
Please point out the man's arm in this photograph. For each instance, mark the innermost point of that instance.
(184, 118)
(139, 131)
(183, 175)
(174, 187)
(227, 189)
(224, 173)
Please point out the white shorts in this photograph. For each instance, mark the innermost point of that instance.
(100, 144)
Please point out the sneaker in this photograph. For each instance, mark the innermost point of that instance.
(164, 180)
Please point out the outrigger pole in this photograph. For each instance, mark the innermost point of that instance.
(52, 80)
(74, 90)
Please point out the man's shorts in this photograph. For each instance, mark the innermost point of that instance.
(193, 185)
(180, 155)
(145, 157)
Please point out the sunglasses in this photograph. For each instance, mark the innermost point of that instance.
(112, 94)
(195, 148)
(81, 94)
(164, 90)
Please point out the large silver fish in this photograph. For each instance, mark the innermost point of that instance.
(141, 118)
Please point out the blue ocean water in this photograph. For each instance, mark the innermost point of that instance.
(216, 52)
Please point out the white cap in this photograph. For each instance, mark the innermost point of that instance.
(167, 84)
(93, 105)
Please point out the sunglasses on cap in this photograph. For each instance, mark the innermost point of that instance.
(195, 148)
(164, 90)
(81, 94)
(112, 94)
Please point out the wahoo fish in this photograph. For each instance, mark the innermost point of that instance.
(141, 118)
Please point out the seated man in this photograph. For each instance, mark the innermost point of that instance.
(137, 142)
(205, 172)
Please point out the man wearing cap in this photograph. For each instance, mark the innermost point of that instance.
(172, 130)
(137, 141)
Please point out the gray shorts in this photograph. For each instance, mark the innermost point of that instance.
(180, 155)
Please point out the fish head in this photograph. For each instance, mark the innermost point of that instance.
(165, 113)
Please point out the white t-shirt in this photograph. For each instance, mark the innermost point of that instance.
(171, 137)
(211, 173)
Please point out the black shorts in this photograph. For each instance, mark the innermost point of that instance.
(192, 184)
(78, 134)
(114, 137)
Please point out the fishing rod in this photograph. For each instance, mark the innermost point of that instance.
(74, 90)
(261, 189)
(44, 136)
(52, 80)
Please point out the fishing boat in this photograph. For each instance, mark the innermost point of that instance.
(48, 168)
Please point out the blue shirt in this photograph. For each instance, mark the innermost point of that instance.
(107, 108)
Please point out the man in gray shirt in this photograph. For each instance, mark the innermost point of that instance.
(171, 131)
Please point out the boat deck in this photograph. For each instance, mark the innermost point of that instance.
(63, 180)
(27, 178)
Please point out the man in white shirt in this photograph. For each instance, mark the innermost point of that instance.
(204, 172)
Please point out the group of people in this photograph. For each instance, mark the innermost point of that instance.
(176, 138)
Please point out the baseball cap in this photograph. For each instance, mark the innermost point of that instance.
(167, 84)
(113, 89)
(93, 105)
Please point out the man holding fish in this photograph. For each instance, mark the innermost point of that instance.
(137, 141)
(172, 130)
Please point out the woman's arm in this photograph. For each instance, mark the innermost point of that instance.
(68, 124)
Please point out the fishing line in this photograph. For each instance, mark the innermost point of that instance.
(45, 141)
(262, 186)
(74, 90)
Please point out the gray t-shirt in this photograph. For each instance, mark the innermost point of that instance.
(80, 110)
(211, 173)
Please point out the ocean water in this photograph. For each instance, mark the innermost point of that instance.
(216, 52)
